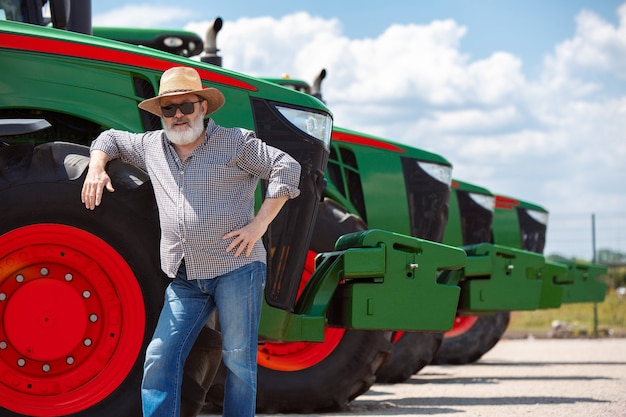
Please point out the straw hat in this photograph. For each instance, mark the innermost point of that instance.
(183, 80)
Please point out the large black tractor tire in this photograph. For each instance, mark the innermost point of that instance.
(470, 345)
(296, 377)
(412, 351)
(349, 371)
(80, 290)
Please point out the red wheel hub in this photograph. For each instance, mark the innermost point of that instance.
(72, 316)
(296, 356)
(461, 325)
(41, 327)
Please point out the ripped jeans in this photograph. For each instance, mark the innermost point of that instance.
(188, 304)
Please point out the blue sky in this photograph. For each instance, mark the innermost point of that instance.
(525, 98)
(529, 29)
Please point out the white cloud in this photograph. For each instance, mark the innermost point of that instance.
(597, 47)
(270, 47)
(466, 120)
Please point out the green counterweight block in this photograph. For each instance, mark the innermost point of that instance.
(373, 280)
(554, 277)
(584, 287)
(389, 281)
(500, 278)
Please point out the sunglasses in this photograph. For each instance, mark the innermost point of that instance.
(185, 108)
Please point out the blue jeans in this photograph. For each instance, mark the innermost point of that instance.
(188, 304)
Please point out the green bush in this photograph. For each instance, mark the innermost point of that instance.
(611, 316)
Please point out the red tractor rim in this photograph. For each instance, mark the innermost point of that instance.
(397, 336)
(461, 325)
(73, 320)
(296, 356)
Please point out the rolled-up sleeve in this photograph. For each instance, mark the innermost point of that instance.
(126, 146)
(284, 178)
(272, 164)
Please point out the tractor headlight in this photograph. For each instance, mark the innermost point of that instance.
(442, 173)
(318, 125)
(485, 201)
(539, 216)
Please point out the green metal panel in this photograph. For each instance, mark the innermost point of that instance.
(384, 190)
(284, 326)
(498, 278)
(585, 286)
(554, 277)
(138, 35)
(405, 288)
(374, 280)
(506, 229)
(571, 282)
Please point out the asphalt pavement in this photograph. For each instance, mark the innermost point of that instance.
(518, 377)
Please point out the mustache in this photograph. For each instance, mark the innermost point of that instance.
(180, 122)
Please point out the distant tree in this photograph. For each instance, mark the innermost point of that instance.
(610, 257)
(617, 276)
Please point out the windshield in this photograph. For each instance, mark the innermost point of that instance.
(11, 10)
(25, 11)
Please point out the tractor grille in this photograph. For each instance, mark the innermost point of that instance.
(533, 233)
(476, 220)
(428, 201)
(287, 239)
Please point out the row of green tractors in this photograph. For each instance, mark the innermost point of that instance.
(383, 264)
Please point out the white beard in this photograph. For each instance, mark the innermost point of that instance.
(186, 136)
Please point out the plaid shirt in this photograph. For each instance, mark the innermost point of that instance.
(206, 196)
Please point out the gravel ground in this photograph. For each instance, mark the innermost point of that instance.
(518, 377)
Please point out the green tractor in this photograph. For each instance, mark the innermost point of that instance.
(80, 291)
(503, 238)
